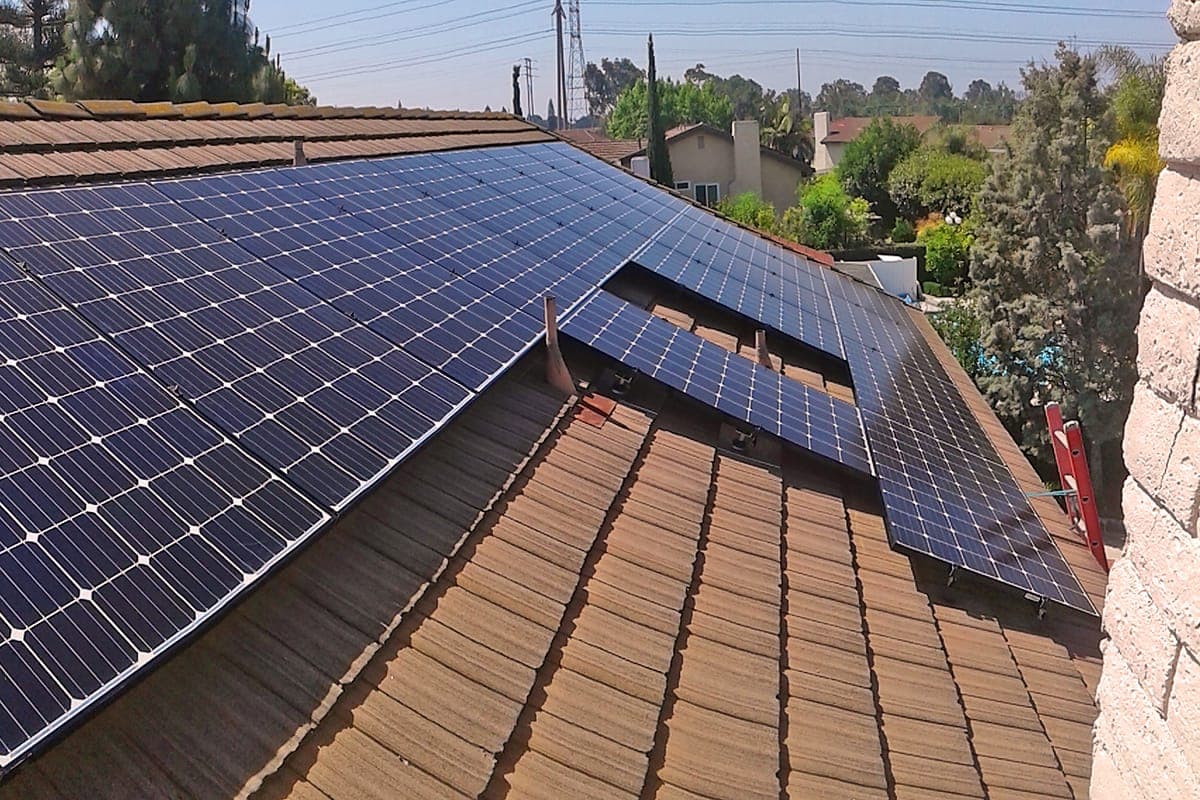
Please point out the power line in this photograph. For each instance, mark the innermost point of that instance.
(971, 5)
(320, 22)
(866, 33)
(445, 26)
(465, 50)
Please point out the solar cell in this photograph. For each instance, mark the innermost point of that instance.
(125, 519)
(311, 392)
(723, 380)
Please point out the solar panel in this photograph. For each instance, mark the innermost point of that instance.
(443, 319)
(305, 388)
(125, 519)
(723, 380)
(946, 491)
(743, 272)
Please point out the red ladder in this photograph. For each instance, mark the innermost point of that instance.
(1067, 442)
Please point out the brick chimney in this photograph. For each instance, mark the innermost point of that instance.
(747, 158)
(1147, 738)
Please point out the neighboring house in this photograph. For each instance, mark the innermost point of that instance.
(1147, 739)
(289, 510)
(710, 164)
(832, 135)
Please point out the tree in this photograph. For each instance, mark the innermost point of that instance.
(935, 88)
(826, 217)
(886, 96)
(179, 50)
(749, 209)
(1136, 100)
(868, 161)
(680, 104)
(551, 117)
(842, 98)
(31, 40)
(788, 133)
(603, 84)
(931, 180)
(297, 95)
(1057, 289)
(983, 104)
(516, 87)
(656, 136)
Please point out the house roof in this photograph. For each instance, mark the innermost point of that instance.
(598, 144)
(847, 129)
(49, 143)
(600, 597)
(684, 131)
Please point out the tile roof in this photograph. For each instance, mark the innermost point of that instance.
(43, 142)
(598, 144)
(546, 604)
(535, 606)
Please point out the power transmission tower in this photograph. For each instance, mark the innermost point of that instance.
(529, 87)
(577, 96)
(561, 99)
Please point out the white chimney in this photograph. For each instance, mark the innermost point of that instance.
(747, 158)
(822, 161)
(640, 166)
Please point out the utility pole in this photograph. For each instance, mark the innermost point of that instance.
(799, 89)
(561, 103)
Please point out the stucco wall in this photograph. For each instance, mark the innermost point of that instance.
(703, 158)
(779, 182)
(1147, 739)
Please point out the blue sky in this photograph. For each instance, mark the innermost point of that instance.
(459, 53)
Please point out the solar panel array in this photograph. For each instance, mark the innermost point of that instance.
(723, 380)
(198, 375)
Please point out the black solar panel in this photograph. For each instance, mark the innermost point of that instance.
(124, 517)
(723, 380)
(441, 318)
(305, 388)
(745, 273)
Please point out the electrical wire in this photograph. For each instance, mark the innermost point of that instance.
(974, 5)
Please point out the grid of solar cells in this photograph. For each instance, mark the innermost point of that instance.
(125, 519)
(308, 390)
(946, 491)
(467, 229)
(741, 271)
(723, 380)
(441, 318)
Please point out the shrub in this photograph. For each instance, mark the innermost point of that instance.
(903, 232)
(749, 209)
(960, 328)
(933, 180)
(933, 288)
(826, 217)
(947, 253)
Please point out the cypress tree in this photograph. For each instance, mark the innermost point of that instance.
(1057, 286)
(517, 91)
(656, 137)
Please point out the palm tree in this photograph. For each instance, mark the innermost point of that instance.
(1135, 100)
(787, 133)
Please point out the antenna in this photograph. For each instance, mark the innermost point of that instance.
(577, 96)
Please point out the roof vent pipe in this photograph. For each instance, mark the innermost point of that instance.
(298, 158)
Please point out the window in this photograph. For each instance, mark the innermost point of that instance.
(708, 193)
(683, 186)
